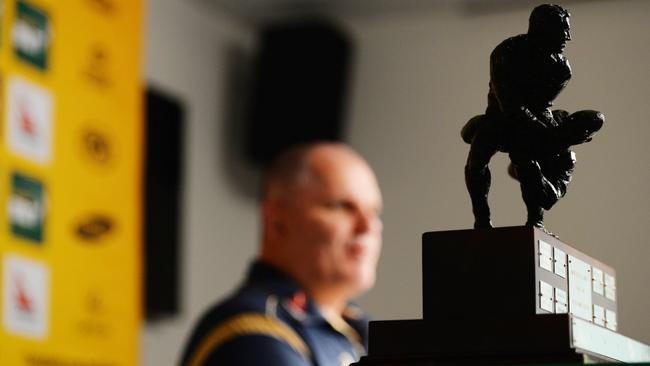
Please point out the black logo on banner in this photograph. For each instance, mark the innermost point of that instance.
(94, 320)
(104, 6)
(94, 228)
(97, 65)
(97, 146)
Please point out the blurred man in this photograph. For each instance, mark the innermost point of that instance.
(320, 246)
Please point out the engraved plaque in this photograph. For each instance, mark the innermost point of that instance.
(599, 315)
(545, 255)
(580, 303)
(610, 287)
(561, 304)
(546, 300)
(597, 277)
(560, 262)
(610, 319)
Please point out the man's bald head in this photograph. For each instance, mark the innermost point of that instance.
(299, 165)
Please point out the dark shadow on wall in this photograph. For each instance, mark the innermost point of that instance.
(292, 90)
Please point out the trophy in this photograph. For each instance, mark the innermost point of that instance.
(527, 72)
(515, 295)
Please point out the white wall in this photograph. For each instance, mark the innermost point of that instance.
(418, 79)
(190, 54)
(421, 77)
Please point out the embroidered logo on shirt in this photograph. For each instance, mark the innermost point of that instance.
(296, 305)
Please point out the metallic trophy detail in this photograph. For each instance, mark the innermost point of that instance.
(527, 72)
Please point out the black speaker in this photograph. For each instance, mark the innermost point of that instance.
(162, 203)
(300, 86)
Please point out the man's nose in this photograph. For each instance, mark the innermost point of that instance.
(367, 221)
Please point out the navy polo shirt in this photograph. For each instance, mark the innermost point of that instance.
(269, 320)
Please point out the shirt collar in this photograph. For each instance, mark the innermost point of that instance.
(264, 274)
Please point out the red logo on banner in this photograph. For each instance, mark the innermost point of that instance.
(26, 122)
(22, 298)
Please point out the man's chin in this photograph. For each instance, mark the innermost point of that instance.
(354, 279)
(363, 283)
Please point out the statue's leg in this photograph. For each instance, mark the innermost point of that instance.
(478, 178)
(526, 155)
(557, 170)
(533, 186)
(478, 186)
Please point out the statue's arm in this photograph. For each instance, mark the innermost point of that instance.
(507, 91)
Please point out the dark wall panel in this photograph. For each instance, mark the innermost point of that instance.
(163, 187)
(300, 87)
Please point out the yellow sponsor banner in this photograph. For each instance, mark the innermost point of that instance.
(71, 150)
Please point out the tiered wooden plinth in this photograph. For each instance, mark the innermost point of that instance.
(501, 296)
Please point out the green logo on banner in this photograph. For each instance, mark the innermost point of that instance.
(30, 35)
(26, 208)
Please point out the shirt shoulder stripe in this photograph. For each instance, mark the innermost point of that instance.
(248, 324)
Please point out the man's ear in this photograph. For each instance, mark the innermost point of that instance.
(274, 217)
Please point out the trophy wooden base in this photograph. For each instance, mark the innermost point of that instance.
(539, 339)
(506, 296)
(513, 271)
